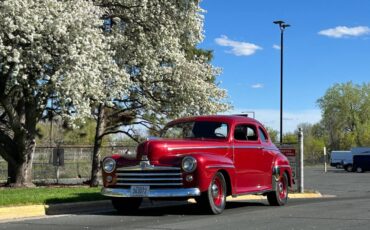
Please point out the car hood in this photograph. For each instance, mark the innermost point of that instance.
(165, 151)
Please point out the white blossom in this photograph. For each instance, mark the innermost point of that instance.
(57, 47)
(152, 48)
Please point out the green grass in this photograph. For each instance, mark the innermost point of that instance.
(47, 195)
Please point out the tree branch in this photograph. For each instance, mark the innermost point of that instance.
(116, 4)
(121, 131)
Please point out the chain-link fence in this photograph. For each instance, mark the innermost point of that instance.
(77, 160)
(70, 165)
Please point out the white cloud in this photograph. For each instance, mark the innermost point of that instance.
(344, 31)
(257, 86)
(291, 119)
(277, 47)
(237, 48)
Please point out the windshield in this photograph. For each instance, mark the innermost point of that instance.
(196, 129)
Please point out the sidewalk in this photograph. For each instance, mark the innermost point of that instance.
(19, 212)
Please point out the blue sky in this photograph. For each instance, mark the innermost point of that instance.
(328, 42)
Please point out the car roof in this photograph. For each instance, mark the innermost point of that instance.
(220, 118)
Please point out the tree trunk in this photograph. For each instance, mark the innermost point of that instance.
(20, 169)
(100, 127)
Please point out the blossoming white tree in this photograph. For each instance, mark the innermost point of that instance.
(49, 48)
(55, 49)
(153, 40)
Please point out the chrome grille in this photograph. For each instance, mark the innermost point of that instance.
(155, 177)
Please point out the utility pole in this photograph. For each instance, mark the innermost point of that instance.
(300, 162)
(325, 166)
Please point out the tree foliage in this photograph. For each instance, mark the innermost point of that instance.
(58, 133)
(346, 115)
(290, 138)
(142, 66)
(155, 43)
(313, 142)
(49, 49)
(273, 134)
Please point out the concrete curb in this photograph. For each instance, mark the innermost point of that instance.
(7, 213)
(290, 196)
(19, 212)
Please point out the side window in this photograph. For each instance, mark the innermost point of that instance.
(262, 134)
(245, 133)
(221, 131)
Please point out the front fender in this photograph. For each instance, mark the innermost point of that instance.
(208, 165)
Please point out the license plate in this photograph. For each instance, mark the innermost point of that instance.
(140, 191)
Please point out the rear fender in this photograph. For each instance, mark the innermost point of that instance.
(278, 171)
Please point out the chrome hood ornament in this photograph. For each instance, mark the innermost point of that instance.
(144, 163)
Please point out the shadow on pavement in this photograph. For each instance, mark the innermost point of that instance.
(185, 209)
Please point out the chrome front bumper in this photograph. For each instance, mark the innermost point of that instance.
(178, 192)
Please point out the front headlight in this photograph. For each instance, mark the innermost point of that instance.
(109, 165)
(189, 164)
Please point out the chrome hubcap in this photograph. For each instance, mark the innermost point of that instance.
(214, 190)
(281, 187)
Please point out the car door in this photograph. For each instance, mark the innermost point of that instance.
(268, 157)
(247, 155)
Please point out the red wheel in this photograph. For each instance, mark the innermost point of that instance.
(214, 199)
(217, 191)
(279, 196)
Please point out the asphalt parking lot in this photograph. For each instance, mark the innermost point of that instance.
(337, 182)
(347, 207)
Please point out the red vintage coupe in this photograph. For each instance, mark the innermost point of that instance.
(205, 157)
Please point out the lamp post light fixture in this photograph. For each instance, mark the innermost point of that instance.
(282, 26)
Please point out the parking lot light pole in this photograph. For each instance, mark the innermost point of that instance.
(282, 26)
